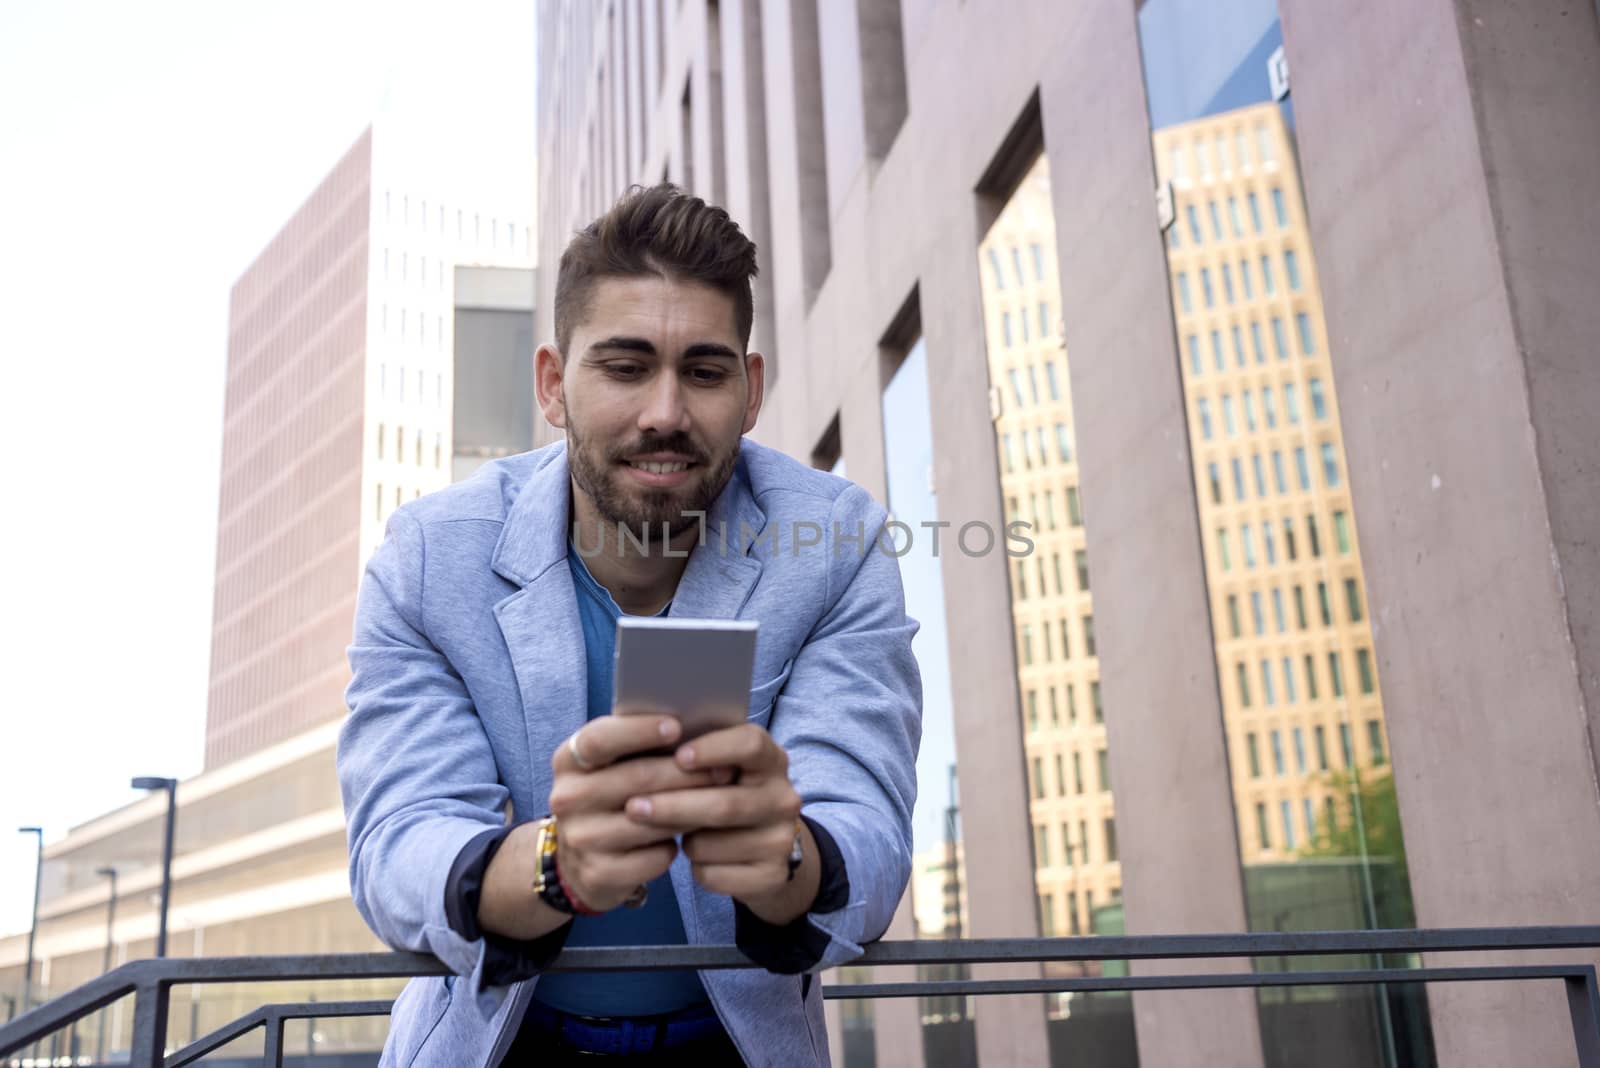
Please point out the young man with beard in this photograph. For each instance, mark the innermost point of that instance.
(498, 812)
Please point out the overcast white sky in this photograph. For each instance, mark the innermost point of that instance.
(148, 151)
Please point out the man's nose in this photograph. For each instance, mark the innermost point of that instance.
(664, 411)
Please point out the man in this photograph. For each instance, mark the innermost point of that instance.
(497, 811)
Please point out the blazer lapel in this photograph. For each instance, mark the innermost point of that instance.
(540, 621)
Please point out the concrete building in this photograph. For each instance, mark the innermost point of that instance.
(339, 408)
(1430, 244)
(379, 347)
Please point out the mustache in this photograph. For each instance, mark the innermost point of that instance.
(677, 442)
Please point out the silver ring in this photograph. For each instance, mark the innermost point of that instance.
(577, 757)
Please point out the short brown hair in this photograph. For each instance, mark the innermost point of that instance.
(661, 231)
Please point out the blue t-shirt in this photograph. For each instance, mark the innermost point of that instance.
(658, 922)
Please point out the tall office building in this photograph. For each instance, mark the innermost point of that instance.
(377, 352)
(339, 408)
(1427, 289)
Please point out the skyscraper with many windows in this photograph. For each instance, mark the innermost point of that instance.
(338, 409)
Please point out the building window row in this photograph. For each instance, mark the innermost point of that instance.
(1244, 676)
(1245, 291)
(1269, 543)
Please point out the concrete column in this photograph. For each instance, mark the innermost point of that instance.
(1451, 153)
(1158, 669)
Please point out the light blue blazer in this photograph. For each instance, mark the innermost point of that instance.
(468, 670)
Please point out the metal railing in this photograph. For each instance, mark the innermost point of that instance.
(150, 981)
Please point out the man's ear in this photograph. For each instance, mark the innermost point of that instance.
(755, 369)
(547, 377)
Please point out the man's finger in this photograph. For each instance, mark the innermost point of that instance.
(747, 747)
(741, 845)
(606, 789)
(740, 880)
(717, 806)
(609, 833)
(602, 742)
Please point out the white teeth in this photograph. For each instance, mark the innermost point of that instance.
(661, 469)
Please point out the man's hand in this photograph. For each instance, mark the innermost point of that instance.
(604, 856)
(738, 836)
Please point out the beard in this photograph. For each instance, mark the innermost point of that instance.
(596, 469)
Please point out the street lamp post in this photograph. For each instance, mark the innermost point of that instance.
(150, 782)
(111, 919)
(33, 927)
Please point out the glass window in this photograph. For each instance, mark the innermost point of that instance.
(1227, 415)
(1025, 222)
(1194, 224)
(1238, 347)
(994, 264)
(1375, 741)
(1205, 287)
(1319, 402)
(1205, 77)
(1341, 531)
(1330, 464)
(1253, 754)
(1255, 612)
(1269, 695)
(1216, 219)
(1238, 478)
(1192, 343)
(1005, 320)
(1320, 736)
(1279, 340)
(1352, 597)
(1183, 292)
(1302, 324)
(1216, 349)
(1364, 671)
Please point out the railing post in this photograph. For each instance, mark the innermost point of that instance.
(1583, 1001)
(272, 1051)
(150, 1022)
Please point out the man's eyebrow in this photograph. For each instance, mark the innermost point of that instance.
(710, 348)
(628, 344)
(643, 345)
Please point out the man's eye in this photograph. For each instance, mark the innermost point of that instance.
(623, 370)
(707, 375)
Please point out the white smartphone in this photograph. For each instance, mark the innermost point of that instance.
(695, 669)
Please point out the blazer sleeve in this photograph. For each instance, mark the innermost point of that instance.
(850, 718)
(415, 766)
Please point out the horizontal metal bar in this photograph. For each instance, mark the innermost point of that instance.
(216, 1039)
(57, 1013)
(288, 1010)
(93, 995)
(1107, 984)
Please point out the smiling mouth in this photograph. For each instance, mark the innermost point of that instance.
(659, 468)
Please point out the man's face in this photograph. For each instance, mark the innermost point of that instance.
(654, 394)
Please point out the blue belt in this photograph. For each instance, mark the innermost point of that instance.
(625, 1034)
